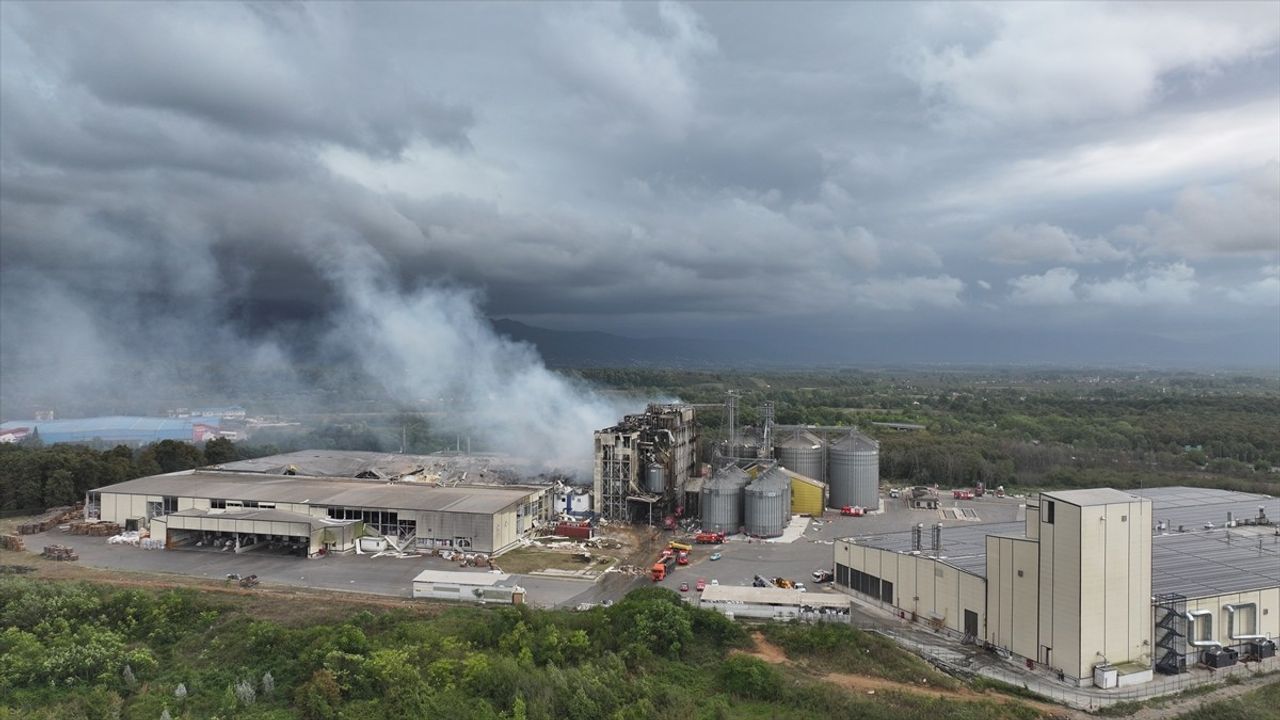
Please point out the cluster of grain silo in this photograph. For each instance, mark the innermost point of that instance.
(803, 452)
(846, 460)
(722, 499)
(767, 504)
(853, 471)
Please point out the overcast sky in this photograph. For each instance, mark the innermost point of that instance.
(1103, 174)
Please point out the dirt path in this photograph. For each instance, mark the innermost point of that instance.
(870, 685)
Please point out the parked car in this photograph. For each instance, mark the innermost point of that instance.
(715, 583)
(684, 587)
(714, 556)
(702, 584)
(823, 576)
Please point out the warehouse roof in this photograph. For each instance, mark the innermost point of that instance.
(460, 577)
(445, 468)
(1197, 562)
(797, 477)
(336, 492)
(1091, 496)
(771, 596)
(113, 427)
(261, 515)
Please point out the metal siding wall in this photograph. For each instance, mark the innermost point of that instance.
(1104, 600)
(906, 587)
(1033, 521)
(504, 528)
(925, 584)
(107, 508)
(1067, 591)
(1048, 539)
(946, 594)
(1268, 611)
(806, 499)
(972, 595)
(1025, 597)
(999, 593)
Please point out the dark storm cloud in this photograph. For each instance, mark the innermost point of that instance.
(612, 166)
(268, 71)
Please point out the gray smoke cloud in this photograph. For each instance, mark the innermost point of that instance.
(432, 345)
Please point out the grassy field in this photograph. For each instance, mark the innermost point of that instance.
(1260, 704)
(532, 559)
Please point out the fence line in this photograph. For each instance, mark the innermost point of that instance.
(1084, 697)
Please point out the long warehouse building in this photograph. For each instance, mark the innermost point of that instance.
(1097, 585)
(320, 513)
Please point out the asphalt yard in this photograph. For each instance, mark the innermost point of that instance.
(741, 559)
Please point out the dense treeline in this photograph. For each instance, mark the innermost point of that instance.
(81, 651)
(1060, 429)
(34, 476)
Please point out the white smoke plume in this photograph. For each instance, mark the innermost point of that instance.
(433, 346)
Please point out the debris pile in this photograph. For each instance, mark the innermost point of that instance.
(50, 518)
(94, 529)
(12, 542)
(127, 538)
(60, 552)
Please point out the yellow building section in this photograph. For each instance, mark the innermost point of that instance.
(808, 496)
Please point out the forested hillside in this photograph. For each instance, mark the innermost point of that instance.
(81, 652)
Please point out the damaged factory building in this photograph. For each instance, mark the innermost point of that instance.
(324, 501)
(646, 465)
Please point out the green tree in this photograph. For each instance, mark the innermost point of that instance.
(219, 450)
(172, 456)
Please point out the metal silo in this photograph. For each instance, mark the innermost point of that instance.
(768, 504)
(655, 478)
(722, 500)
(853, 471)
(802, 452)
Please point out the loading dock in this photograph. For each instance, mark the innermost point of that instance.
(254, 530)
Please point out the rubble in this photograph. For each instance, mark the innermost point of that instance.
(12, 542)
(60, 552)
(127, 538)
(94, 528)
(50, 518)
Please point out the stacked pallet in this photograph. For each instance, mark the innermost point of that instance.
(12, 542)
(60, 552)
(50, 518)
(95, 529)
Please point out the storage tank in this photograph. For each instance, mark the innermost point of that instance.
(767, 504)
(802, 452)
(655, 478)
(853, 471)
(722, 500)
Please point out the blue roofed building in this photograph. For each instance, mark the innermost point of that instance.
(118, 429)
